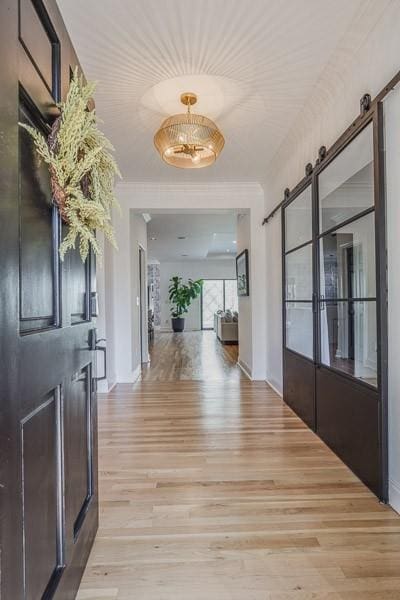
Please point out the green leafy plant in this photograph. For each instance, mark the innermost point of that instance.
(181, 295)
(82, 169)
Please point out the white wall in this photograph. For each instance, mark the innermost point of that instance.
(392, 139)
(242, 197)
(367, 58)
(130, 231)
(274, 303)
(363, 62)
(195, 269)
(243, 242)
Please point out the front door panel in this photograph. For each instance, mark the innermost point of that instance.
(41, 499)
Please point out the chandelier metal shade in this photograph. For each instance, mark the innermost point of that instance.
(189, 141)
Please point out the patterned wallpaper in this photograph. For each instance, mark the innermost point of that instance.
(153, 278)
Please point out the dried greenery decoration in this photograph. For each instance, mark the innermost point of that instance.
(82, 169)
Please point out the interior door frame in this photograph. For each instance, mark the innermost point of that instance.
(144, 358)
(371, 112)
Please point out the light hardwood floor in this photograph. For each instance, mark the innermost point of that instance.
(217, 491)
(192, 355)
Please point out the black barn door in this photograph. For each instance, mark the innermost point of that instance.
(299, 304)
(335, 300)
(48, 397)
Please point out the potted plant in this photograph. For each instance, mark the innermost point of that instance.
(181, 295)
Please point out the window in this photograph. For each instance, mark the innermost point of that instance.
(231, 296)
(217, 294)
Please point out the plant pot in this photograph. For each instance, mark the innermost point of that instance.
(178, 324)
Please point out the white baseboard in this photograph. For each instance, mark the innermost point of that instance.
(169, 329)
(245, 368)
(105, 386)
(136, 373)
(394, 495)
(274, 388)
(130, 377)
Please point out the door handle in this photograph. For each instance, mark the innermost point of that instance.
(94, 346)
(104, 350)
(314, 303)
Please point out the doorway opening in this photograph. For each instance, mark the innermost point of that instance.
(191, 246)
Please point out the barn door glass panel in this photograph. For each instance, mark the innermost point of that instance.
(346, 186)
(348, 261)
(298, 285)
(347, 257)
(349, 338)
(299, 328)
(298, 220)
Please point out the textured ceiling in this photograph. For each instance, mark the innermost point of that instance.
(206, 236)
(253, 63)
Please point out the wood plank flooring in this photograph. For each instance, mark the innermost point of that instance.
(217, 491)
(191, 355)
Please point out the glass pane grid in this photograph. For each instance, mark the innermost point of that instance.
(346, 312)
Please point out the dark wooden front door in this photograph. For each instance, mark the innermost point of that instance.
(48, 490)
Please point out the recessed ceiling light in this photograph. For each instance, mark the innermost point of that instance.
(234, 242)
(227, 250)
(153, 239)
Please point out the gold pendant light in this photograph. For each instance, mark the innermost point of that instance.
(187, 140)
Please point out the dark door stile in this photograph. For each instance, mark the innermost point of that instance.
(349, 415)
(48, 428)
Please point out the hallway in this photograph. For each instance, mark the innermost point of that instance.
(217, 491)
(192, 355)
